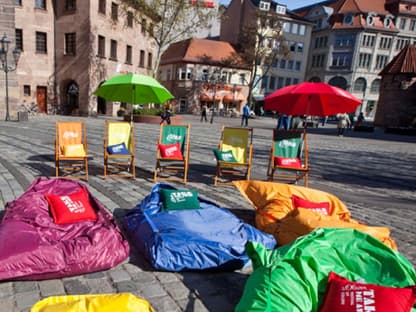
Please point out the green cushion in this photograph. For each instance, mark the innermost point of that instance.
(224, 155)
(179, 199)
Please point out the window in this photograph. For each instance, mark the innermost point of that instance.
(344, 41)
(101, 46)
(360, 85)
(130, 19)
(242, 79)
(272, 82)
(150, 30)
(19, 2)
(292, 46)
(412, 26)
(185, 73)
(41, 42)
(19, 39)
(288, 81)
(282, 64)
(280, 82)
(128, 54)
(348, 19)
(381, 61)
(290, 64)
(295, 80)
(280, 9)
(149, 60)
(265, 6)
(402, 23)
(341, 59)
(70, 44)
(40, 4)
(101, 6)
(168, 74)
(385, 43)
(295, 28)
(297, 65)
(264, 81)
(113, 49)
(302, 30)
(144, 25)
(26, 90)
(364, 60)
(70, 5)
(401, 43)
(375, 86)
(286, 27)
(141, 60)
(368, 41)
(299, 47)
(114, 11)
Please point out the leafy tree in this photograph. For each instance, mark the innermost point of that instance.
(172, 20)
(260, 44)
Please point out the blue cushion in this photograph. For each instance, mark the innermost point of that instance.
(118, 149)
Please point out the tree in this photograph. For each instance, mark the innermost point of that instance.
(260, 44)
(174, 20)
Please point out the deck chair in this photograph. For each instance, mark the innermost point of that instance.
(288, 160)
(71, 150)
(240, 142)
(119, 150)
(172, 159)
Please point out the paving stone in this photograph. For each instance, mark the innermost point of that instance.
(95, 275)
(164, 304)
(127, 286)
(194, 304)
(51, 288)
(100, 286)
(6, 290)
(143, 277)
(165, 277)
(20, 287)
(76, 287)
(119, 275)
(7, 305)
(177, 291)
(27, 299)
(151, 290)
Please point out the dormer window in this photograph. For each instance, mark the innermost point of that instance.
(281, 9)
(370, 18)
(348, 19)
(264, 6)
(388, 20)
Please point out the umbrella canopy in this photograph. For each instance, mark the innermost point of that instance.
(134, 89)
(311, 98)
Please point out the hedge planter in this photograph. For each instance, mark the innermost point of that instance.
(152, 119)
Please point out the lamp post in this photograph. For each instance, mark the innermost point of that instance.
(4, 49)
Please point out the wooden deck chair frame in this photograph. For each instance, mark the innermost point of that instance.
(168, 169)
(284, 173)
(226, 172)
(119, 165)
(71, 133)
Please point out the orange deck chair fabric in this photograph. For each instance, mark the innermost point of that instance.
(71, 148)
(284, 211)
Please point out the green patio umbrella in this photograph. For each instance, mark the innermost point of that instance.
(134, 89)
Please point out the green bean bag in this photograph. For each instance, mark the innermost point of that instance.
(294, 276)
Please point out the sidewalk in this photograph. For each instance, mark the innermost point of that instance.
(373, 173)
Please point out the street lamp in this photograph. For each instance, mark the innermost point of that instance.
(4, 49)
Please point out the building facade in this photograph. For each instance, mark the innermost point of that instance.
(199, 72)
(353, 40)
(68, 48)
(296, 30)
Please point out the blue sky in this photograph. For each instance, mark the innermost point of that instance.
(291, 4)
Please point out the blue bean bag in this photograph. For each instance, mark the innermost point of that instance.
(193, 239)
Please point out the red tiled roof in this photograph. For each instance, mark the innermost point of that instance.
(197, 51)
(402, 63)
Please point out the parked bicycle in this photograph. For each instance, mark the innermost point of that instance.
(31, 109)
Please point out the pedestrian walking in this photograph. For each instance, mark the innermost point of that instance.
(324, 120)
(204, 113)
(343, 122)
(165, 115)
(246, 114)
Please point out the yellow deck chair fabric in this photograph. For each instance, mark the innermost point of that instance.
(71, 148)
(118, 132)
(124, 302)
(173, 169)
(276, 215)
(292, 146)
(240, 142)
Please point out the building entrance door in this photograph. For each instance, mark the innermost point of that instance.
(41, 99)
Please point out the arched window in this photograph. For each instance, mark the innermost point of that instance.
(360, 85)
(375, 86)
(339, 82)
(315, 79)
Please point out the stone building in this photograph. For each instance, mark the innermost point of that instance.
(397, 101)
(352, 40)
(198, 72)
(70, 47)
(295, 29)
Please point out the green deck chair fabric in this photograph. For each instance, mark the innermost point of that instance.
(294, 276)
(173, 134)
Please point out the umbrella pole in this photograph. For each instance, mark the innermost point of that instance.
(133, 97)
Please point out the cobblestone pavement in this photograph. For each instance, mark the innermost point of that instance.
(373, 173)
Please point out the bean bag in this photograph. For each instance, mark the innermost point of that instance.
(294, 277)
(208, 237)
(34, 247)
(125, 302)
(285, 211)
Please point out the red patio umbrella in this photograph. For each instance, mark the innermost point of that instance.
(311, 98)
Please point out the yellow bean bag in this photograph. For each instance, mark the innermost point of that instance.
(275, 212)
(125, 302)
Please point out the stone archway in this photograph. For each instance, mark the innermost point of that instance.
(71, 104)
(101, 104)
(339, 82)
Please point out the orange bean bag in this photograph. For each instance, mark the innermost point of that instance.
(276, 214)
